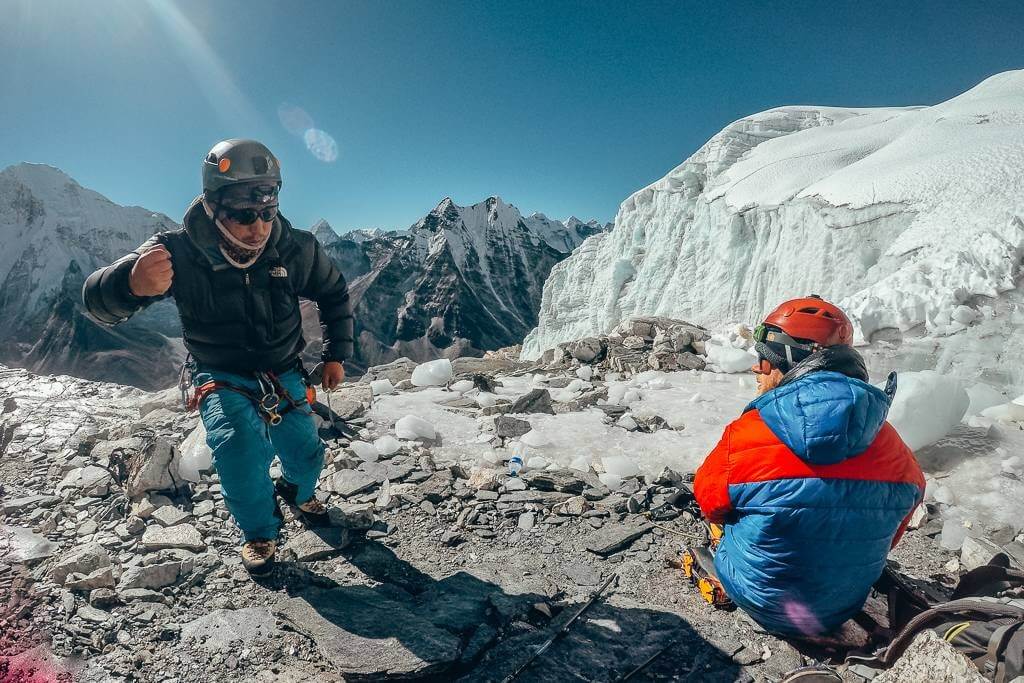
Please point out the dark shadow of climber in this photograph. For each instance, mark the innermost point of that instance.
(468, 627)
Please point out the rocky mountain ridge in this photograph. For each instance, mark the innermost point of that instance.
(462, 280)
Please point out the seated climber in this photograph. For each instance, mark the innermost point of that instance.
(812, 484)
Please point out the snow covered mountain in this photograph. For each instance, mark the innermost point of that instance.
(911, 218)
(461, 280)
(54, 233)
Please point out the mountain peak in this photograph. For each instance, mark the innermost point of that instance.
(323, 232)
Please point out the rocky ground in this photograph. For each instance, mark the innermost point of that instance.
(113, 567)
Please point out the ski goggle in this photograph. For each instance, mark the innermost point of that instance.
(763, 333)
(249, 216)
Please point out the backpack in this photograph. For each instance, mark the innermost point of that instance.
(980, 620)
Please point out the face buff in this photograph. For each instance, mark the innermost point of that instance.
(238, 253)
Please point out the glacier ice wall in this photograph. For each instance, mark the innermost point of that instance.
(899, 214)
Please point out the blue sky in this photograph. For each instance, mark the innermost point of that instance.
(559, 107)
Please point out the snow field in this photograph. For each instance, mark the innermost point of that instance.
(974, 468)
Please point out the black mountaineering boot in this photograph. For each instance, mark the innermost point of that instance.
(312, 513)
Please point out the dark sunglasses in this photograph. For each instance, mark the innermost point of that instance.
(249, 216)
(763, 333)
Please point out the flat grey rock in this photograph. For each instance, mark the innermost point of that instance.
(507, 426)
(437, 487)
(582, 574)
(101, 578)
(153, 576)
(226, 630)
(92, 615)
(566, 481)
(21, 545)
(350, 482)
(545, 497)
(181, 536)
(614, 537)
(366, 635)
(168, 515)
(317, 544)
(9, 507)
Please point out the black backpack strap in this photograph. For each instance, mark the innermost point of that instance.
(993, 660)
(989, 608)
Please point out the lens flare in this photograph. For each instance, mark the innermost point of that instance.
(294, 119)
(321, 145)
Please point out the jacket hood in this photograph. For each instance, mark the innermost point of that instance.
(204, 234)
(824, 410)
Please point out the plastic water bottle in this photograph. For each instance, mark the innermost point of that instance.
(515, 463)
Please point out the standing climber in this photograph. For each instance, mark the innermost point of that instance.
(812, 484)
(236, 270)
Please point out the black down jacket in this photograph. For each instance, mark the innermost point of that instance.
(233, 319)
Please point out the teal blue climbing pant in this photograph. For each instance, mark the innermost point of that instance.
(244, 445)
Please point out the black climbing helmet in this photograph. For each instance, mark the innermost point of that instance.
(239, 161)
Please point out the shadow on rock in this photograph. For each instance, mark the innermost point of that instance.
(481, 625)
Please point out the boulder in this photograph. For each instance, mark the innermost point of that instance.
(535, 401)
(81, 560)
(587, 350)
(395, 371)
(976, 552)
(930, 658)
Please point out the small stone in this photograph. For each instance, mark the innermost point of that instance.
(514, 484)
(486, 495)
(526, 521)
(452, 538)
(101, 578)
(510, 427)
(613, 538)
(181, 536)
(140, 595)
(102, 598)
(154, 576)
(976, 552)
(203, 508)
(82, 560)
(582, 574)
(168, 515)
(10, 507)
(485, 533)
(437, 487)
(535, 401)
(93, 615)
(87, 528)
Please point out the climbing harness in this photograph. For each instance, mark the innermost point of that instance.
(267, 400)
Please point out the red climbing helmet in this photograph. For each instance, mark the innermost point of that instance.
(813, 319)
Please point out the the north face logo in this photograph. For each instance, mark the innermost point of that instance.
(278, 271)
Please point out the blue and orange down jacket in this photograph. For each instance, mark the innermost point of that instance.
(814, 487)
